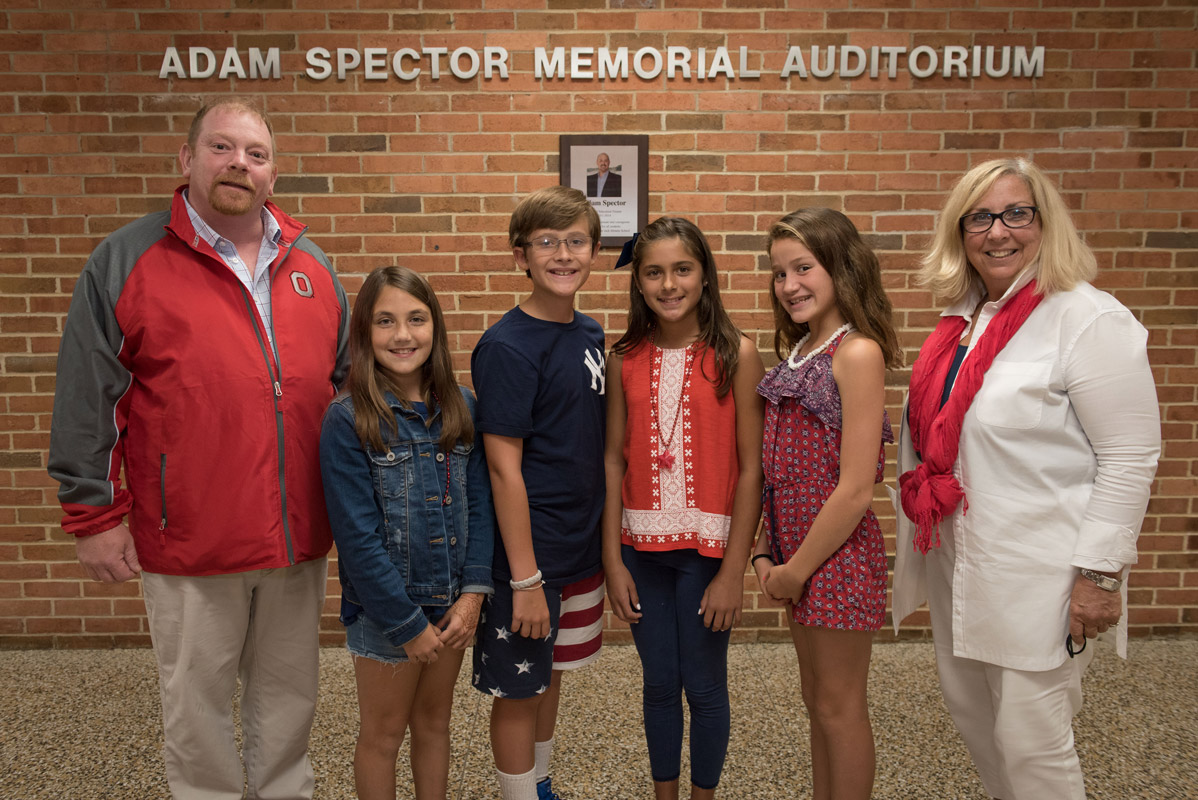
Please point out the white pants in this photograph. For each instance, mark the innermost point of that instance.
(261, 627)
(1018, 725)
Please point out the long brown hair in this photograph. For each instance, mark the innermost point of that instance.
(856, 277)
(368, 384)
(716, 330)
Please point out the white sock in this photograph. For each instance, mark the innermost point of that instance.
(544, 752)
(517, 787)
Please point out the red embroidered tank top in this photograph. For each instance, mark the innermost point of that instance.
(688, 504)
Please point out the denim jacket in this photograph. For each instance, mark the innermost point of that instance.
(400, 544)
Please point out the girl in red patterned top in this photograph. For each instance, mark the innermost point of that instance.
(822, 551)
(683, 464)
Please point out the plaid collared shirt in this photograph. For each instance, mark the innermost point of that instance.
(257, 283)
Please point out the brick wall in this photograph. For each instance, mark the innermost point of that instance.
(425, 173)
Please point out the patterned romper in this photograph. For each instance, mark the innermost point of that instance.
(801, 459)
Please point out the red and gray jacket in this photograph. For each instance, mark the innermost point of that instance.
(165, 369)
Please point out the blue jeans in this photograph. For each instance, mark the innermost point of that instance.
(678, 653)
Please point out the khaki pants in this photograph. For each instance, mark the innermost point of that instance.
(261, 627)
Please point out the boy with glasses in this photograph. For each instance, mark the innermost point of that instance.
(538, 373)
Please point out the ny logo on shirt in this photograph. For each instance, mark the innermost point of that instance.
(594, 362)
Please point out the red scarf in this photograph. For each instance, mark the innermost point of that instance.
(930, 492)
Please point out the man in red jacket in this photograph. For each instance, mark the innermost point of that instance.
(201, 349)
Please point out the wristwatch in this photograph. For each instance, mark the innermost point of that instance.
(1104, 582)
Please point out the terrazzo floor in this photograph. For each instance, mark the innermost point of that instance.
(85, 724)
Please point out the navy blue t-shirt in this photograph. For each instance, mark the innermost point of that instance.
(543, 382)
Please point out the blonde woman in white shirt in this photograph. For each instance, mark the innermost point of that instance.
(1026, 459)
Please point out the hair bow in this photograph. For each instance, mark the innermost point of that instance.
(626, 253)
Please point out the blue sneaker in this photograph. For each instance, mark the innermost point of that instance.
(545, 790)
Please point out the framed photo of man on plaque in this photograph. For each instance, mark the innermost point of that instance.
(613, 172)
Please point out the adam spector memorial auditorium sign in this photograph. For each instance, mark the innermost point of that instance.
(603, 63)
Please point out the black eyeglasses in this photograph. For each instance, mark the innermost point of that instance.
(547, 244)
(1017, 217)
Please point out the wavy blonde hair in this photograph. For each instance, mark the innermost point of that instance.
(1062, 262)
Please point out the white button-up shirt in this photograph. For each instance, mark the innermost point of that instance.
(1057, 455)
(256, 283)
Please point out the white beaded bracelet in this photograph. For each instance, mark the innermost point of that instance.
(527, 583)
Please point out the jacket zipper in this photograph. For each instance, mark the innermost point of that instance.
(276, 377)
(274, 372)
(162, 489)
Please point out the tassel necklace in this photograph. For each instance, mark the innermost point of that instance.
(845, 328)
(665, 459)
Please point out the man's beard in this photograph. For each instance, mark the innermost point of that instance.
(232, 203)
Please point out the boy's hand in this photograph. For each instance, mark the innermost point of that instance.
(530, 613)
(784, 583)
(721, 601)
(460, 621)
(423, 649)
(621, 593)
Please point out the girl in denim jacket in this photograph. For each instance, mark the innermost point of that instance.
(409, 501)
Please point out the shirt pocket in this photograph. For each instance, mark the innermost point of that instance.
(1013, 394)
(459, 463)
(392, 472)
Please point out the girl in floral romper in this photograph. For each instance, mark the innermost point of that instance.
(822, 551)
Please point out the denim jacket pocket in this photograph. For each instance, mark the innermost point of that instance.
(460, 466)
(392, 473)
